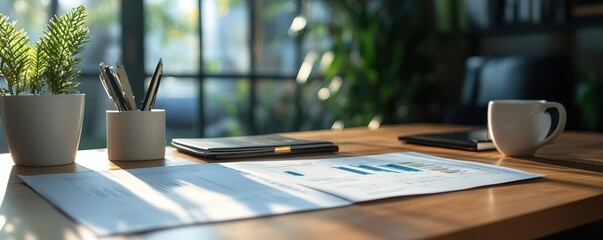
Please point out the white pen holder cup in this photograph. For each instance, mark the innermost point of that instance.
(136, 135)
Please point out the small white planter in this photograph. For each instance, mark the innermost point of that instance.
(42, 130)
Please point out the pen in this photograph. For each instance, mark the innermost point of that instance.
(114, 84)
(151, 94)
(100, 76)
(156, 89)
(125, 84)
(103, 76)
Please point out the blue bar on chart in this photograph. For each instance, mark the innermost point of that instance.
(352, 170)
(294, 173)
(400, 167)
(373, 168)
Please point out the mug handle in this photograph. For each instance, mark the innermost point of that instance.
(560, 124)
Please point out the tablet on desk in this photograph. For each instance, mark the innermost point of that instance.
(471, 140)
(250, 146)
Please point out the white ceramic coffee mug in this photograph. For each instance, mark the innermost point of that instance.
(136, 135)
(520, 127)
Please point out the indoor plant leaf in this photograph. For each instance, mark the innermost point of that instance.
(14, 55)
(63, 39)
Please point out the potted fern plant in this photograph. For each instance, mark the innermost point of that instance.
(41, 112)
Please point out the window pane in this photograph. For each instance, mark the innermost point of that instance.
(172, 33)
(317, 39)
(275, 44)
(226, 107)
(314, 113)
(105, 32)
(180, 99)
(275, 111)
(97, 102)
(31, 15)
(225, 36)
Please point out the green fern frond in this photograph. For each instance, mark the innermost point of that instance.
(14, 56)
(36, 69)
(63, 39)
(50, 64)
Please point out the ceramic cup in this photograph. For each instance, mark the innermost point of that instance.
(520, 127)
(136, 135)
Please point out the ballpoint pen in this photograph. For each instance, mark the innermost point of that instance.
(103, 76)
(151, 94)
(156, 89)
(120, 90)
(114, 84)
(125, 84)
(103, 82)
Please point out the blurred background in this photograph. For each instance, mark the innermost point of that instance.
(244, 67)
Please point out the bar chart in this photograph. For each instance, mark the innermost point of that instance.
(387, 175)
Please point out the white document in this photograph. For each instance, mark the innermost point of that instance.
(128, 201)
(381, 176)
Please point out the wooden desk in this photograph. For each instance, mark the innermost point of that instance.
(570, 195)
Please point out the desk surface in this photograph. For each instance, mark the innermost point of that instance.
(570, 195)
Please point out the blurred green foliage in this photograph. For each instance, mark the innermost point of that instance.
(380, 53)
(589, 98)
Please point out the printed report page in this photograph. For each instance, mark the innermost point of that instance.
(387, 175)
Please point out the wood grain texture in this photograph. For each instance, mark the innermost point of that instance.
(569, 195)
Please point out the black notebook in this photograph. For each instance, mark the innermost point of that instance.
(472, 140)
(250, 146)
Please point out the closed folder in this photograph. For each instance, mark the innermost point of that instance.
(472, 140)
(250, 146)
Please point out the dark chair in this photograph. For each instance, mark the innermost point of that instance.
(514, 77)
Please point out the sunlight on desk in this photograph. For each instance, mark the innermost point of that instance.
(4, 178)
(568, 196)
(128, 201)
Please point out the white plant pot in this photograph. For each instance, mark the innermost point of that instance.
(42, 130)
